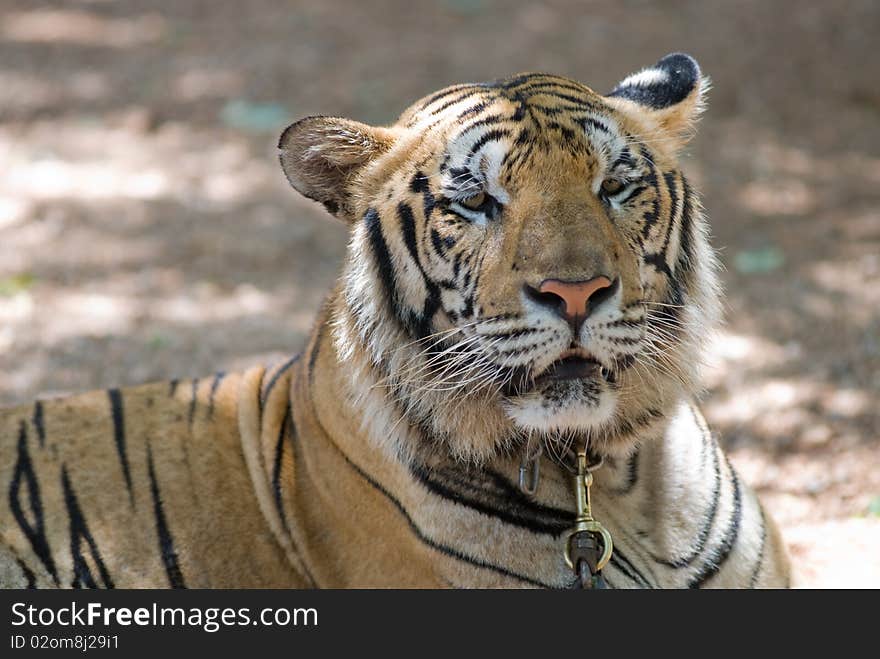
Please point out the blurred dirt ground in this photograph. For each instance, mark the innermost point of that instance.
(146, 231)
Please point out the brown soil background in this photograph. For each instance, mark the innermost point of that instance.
(146, 231)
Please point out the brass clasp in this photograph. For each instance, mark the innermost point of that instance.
(584, 521)
(528, 482)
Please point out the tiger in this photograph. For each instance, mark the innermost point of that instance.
(517, 331)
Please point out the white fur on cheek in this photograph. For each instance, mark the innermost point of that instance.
(493, 156)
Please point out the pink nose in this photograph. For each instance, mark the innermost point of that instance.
(572, 299)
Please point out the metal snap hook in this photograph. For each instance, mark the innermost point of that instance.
(528, 482)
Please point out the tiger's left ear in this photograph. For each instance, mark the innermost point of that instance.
(670, 93)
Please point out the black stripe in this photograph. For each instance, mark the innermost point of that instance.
(659, 258)
(554, 110)
(172, 387)
(36, 532)
(193, 393)
(623, 564)
(625, 427)
(313, 355)
(542, 86)
(294, 459)
(487, 137)
(759, 562)
(432, 300)
(419, 182)
(441, 245)
(600, 126)
(408, 227)
(576, 100)
(218, 378)
(722, 552)
(676, 296)
(708, 521)
(641, 553)
(489, 120)
(520, 152)
(443, 93)
(79, 531)
(475, 109)
(39, 424)
(573, 139)
(706, 435)
(491, 494)
(539, 87)
(519, 81)
(387, 275)
(514, 333)
(625, 158)
(276, 467)
(458, 99)
(685, 241)
(429, 202)
(264, 396)
(430, 542)
(166, 542)
(650, 181)
(118, 415)
(381, 254)
(632, 475)
(28, 574)
(523, 109)
(671, 185)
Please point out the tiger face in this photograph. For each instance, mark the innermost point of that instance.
(527, 262)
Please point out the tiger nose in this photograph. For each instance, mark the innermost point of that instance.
(573, 300)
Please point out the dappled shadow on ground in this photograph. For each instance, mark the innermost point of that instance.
(146, 232)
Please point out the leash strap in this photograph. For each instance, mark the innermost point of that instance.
(586, 550)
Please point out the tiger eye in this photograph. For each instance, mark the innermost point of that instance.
(611, 186)
(474, 203)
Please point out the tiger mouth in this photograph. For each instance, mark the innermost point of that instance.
(573, 365)
(569, 368)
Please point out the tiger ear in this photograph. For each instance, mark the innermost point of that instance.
(322, 156)
(671, 93)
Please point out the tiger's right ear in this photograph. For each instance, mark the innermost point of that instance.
(323, 156)
(670, 94)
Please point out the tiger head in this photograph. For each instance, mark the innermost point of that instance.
(526, 260)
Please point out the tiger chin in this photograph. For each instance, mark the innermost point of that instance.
(528, 282)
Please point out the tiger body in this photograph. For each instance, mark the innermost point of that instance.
(388, 454)
(248, 481)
